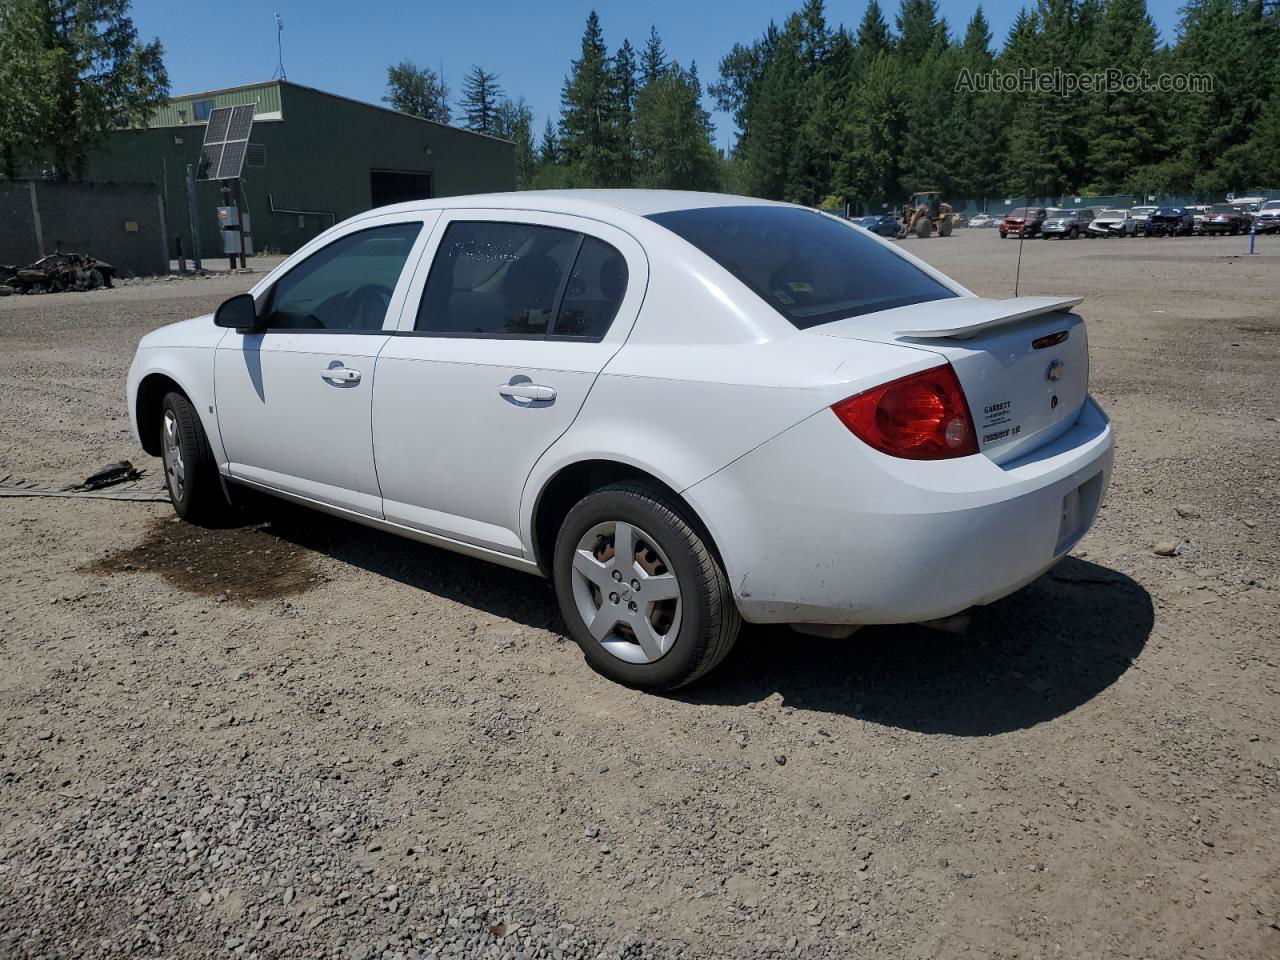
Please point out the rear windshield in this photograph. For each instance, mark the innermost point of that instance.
(809, 267)
(1223, 208)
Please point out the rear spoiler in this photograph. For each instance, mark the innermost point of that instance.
(964, 317)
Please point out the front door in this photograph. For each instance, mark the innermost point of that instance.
(294, 399)
(518, 315)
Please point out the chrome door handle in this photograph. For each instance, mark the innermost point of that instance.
(340, 374)
(527, 391)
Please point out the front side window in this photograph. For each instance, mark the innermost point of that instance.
(346, 285)
(494, 279)
(811, 268)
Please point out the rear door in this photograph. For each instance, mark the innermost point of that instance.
(294, 400)
(510, 320)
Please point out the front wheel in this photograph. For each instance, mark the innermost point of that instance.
(640, 589)
(190, 472)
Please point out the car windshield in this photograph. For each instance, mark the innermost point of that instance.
(1271, 205)
(1017, 212)
(1223, 208)
(809, 267)
(1111, 215)
(1143, 211)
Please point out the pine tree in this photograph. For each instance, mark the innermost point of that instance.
(921, 31)
(418, 92)
(549, 146)
(624, 93)
(588, 114)
(673, 148)
(978, 121)
(513, 120)
(653, 62)
(1124, 130)
(768, 141)
(481, 96)
(873, 32)
(867, 172)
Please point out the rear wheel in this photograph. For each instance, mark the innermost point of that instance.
(641, 591)
(189, 469)
(944, 228)
(924, 227)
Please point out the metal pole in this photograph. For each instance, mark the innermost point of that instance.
(240, 220)
(192, 219)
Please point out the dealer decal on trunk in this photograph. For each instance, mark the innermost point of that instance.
(995, 415)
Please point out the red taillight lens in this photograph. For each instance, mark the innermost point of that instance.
(923, 416)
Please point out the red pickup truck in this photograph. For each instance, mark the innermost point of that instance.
(1023, 222)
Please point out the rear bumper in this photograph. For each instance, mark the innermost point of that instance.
(814, 527)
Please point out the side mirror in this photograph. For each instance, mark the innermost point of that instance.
(239, 312)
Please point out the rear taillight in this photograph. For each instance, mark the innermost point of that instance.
(923, 416)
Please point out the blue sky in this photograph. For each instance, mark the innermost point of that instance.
(346, 47)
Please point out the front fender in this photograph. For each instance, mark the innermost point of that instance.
(191, 369)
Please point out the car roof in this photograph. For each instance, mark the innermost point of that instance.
(639, 202)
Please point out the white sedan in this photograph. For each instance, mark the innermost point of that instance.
(687, 410)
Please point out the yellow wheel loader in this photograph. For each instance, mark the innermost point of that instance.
(924, 214)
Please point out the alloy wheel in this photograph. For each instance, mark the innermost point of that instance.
(626, 592)
(174, 467)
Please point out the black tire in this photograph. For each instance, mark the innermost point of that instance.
(709, 620)
(195, 489)
(1073, 234)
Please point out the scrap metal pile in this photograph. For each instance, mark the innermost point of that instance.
(56, 273)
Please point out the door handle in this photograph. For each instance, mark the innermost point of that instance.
(527, 391)
(340, 374)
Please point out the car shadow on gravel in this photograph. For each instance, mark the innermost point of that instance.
(526, 599)
(1026, 659)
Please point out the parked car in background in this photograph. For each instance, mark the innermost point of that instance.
(1066, 224)
(1197, 214)
(1229, 218)
(1171, 222)
(1113, 223)
(1250, 204)
(881, 224)
(982, 220)
(686, 410)
(1139, 217)
(1022, 222)
(1268, 218)
(959, 220)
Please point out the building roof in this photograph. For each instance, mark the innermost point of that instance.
(268, 97)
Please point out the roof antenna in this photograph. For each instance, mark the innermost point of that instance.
(279, 50)
(1022, 235)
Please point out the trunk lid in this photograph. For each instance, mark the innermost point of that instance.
(1023, 362)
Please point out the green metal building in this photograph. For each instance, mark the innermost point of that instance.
(314, 159)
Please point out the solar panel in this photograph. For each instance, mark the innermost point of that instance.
(232, 159)
(241, 122)
(210, 157)
(219, 119)
(226, 140)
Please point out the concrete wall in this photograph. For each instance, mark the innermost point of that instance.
(318, 160)
(121, 223)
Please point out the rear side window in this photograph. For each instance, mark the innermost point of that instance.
(494, 279)
(346, 285)
(809, 267)
(596, 286)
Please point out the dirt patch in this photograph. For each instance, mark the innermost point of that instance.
(243, 564)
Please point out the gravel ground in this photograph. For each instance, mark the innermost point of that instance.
(304, 738)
